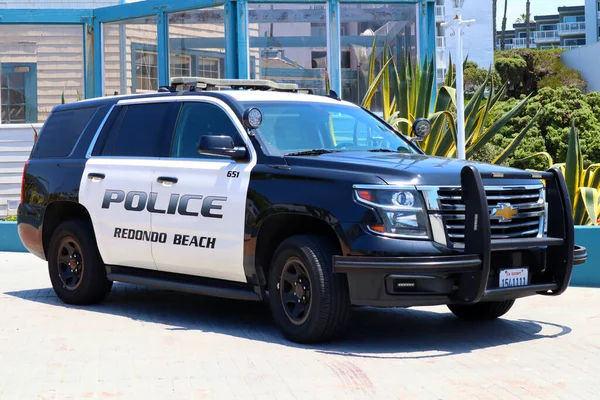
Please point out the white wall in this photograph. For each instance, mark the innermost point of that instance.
(16, 142)
(478, 39)
(586, 60)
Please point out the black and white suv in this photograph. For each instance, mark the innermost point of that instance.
(257, 192)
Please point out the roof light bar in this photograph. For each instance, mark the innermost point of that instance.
(248, 84)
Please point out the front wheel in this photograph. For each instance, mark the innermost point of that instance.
(309, 303)
(481, 311)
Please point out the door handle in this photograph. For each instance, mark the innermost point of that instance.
(167, 179)
(96, 177)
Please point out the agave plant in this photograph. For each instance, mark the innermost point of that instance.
(583, 184)
(407, 91)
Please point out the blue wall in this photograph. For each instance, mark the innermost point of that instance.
(9, 238)
(584, 275)
(588, 274)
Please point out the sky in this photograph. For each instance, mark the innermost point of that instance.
(538, 7)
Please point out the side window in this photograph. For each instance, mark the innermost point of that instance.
(144, 131)
(61, 132)
(198, 119)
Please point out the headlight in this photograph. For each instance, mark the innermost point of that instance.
(400, 209)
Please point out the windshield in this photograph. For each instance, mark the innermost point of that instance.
(312, 128)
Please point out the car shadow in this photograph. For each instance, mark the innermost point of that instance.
(373, 332)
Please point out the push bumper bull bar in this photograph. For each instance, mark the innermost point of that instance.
(464, 278)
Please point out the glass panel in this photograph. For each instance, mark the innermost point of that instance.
(198, 38)
(291, 127)
(288, 43)
(394, 25)
(144, 131)
(197, 120)
(130, 56)
(39, 64)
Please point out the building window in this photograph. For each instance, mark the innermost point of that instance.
(209, 67)
(146, 70)
(193, 63)
(18, 95)
(180, 65)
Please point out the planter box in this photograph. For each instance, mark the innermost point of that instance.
(588, 274)
(9, 237)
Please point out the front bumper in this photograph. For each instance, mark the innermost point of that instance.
(473, 276)
(421, 281)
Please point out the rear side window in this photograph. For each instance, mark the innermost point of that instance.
(61, 132)
(141, 130)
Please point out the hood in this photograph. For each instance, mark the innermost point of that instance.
(397, 168)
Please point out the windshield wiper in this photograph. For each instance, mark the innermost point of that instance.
(382, 151)
(314, 152)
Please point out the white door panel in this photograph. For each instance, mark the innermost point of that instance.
(117, 204)
(206, 230)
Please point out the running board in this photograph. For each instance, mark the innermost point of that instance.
(182, 283)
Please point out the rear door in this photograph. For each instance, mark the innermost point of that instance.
(202, 198)
(116, 184)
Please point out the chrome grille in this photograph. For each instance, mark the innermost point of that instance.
(528, 202)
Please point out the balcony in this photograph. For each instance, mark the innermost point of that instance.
(546, 37)
(571, 28)
(507, 44)
(521, 43)
(440, 13)
(570, 47)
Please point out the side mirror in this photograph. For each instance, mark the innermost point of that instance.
(421, 128)
(221, 146)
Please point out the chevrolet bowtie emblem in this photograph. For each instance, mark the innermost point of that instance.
(506, 212)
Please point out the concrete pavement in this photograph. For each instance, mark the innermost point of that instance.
(149, 344)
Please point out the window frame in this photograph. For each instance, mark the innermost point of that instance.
(195, 56)
(30, 91)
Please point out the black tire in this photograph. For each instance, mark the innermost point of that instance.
(86, 283)
(328, 311)
(481, 311)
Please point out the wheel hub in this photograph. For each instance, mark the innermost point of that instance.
(294, 287)
(70, 263)
(74, 261)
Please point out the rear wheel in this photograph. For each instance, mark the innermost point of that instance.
(481, 311)
(75, 267)
(309, 303)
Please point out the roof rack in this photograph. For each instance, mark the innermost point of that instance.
(200, 83)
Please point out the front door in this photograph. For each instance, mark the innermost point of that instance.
(202, 198)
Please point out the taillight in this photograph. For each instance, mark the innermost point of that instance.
(23, 182)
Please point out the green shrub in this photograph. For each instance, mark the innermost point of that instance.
(550, 133)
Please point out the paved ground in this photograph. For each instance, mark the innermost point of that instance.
(148, 344)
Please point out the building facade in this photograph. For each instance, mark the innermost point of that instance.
(592, 16)
(478, 39)
(54, 51)
(566, 30)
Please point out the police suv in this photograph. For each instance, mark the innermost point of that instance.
(251, 190)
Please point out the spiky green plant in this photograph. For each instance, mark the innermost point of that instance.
(407, 91)
(583, 184)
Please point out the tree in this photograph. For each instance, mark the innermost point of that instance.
(495, 14)
(503, 40)
(527, 20)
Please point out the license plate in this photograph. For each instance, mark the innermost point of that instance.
(514, 277)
